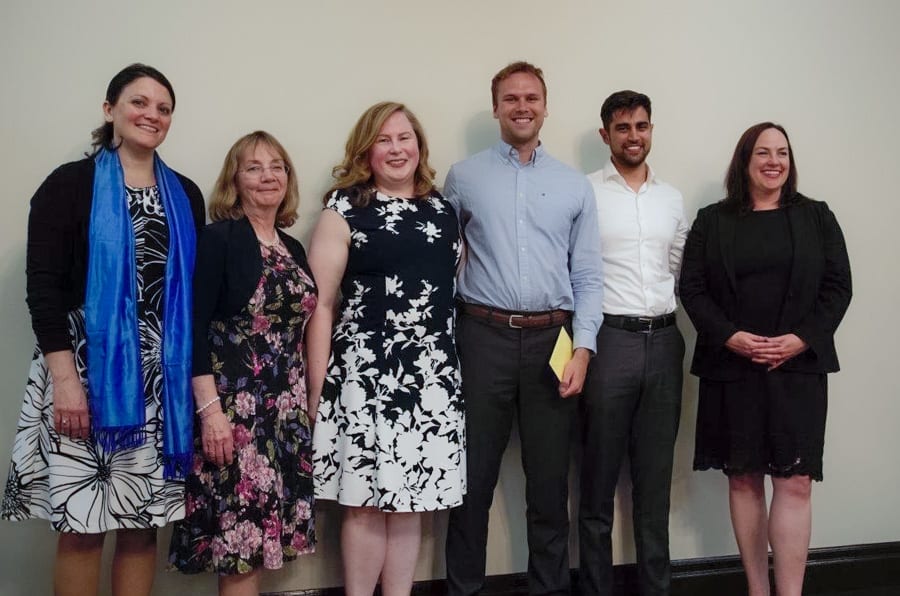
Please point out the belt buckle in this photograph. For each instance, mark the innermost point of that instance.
(512, 325)
(648, 322)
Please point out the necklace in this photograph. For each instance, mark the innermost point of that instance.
(270, 244)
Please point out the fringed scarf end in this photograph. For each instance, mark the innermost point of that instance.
(121, 438)
(176, 467)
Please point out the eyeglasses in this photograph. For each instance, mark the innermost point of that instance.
(256, 170)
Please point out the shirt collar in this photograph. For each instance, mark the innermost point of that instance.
(609, 172)
(510, 153)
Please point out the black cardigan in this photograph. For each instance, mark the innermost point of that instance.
(818, 293)
(57, 249)
(229, 265)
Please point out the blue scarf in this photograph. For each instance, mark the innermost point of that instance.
(115, 379)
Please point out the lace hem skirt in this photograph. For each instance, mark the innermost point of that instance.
(768, 422)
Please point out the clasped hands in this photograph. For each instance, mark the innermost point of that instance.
(771, 351)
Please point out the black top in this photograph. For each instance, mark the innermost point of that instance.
(57, 250)
(229, 265)
(818, 289)
(762, 269)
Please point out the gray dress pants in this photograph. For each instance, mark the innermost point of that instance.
(505, 372)
(631, 404)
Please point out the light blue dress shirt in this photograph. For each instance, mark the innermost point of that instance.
(532, 236)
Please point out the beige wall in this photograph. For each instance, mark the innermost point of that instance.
(826, 69)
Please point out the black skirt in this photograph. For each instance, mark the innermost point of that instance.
(768, 422)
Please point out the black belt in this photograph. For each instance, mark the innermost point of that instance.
(516, 320)
(639, 324)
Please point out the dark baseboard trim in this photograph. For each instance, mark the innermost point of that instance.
(829, 570)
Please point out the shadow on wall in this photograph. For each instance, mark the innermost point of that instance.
(14, 355)
(592, 152)
(481, 132)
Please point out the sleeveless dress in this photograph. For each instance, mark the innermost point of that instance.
(257, 511)
(390, 431)
(770, 422)
(74, 483)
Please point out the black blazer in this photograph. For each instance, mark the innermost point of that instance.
(57, 250)
(818, 293)
(226, 275)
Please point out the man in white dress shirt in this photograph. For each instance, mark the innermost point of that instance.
(632, 396)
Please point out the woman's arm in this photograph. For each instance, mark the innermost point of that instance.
(705, 313)
(70, 408)
(835, 288)
(50, 258)
(215, 429)
(328, 252)
(816, 330)
(53, 239)
(209, 277)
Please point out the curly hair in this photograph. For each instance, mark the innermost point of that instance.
(354, 174)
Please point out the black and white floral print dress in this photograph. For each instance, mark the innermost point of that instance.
(390, 430)
(74, 483)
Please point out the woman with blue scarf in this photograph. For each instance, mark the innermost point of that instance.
(104, 438)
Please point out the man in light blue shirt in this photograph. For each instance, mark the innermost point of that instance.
(533, 267)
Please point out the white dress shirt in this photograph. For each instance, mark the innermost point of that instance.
(642, 237)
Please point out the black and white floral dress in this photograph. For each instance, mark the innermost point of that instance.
(390, 431)
(75, 484)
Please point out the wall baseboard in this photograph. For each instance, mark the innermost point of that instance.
(831, 569)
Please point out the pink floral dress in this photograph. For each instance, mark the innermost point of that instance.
(258, 511)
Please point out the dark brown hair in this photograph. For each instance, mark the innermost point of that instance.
(103, 135)
(623, 100)
(737, 179)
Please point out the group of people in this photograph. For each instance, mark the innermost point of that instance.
(217, 377)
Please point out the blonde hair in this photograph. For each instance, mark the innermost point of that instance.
(354, 173)
(226, 203)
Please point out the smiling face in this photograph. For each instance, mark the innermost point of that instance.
(521, 107)
(261, 179)
(141, 115)
(394, 156)
(629, 136)
(769, 164)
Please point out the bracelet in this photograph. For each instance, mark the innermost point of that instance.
(207, 404)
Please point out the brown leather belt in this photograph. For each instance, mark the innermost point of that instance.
(516, 320)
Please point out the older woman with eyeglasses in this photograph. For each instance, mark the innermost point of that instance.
(250, 494)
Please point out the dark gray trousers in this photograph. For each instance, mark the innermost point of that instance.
(505, 371)
(631, 403)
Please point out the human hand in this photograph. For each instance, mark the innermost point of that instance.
(572, 381)
(775, 351)
(70, 408)
(745, 344)
(217, 437)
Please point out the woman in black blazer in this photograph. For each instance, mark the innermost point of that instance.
(765, 280)
(249, 502)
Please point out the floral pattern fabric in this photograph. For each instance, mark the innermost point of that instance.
(75, 484)
(390, 431)
(257, 511)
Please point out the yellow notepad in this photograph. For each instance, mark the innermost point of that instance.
(562, 353)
